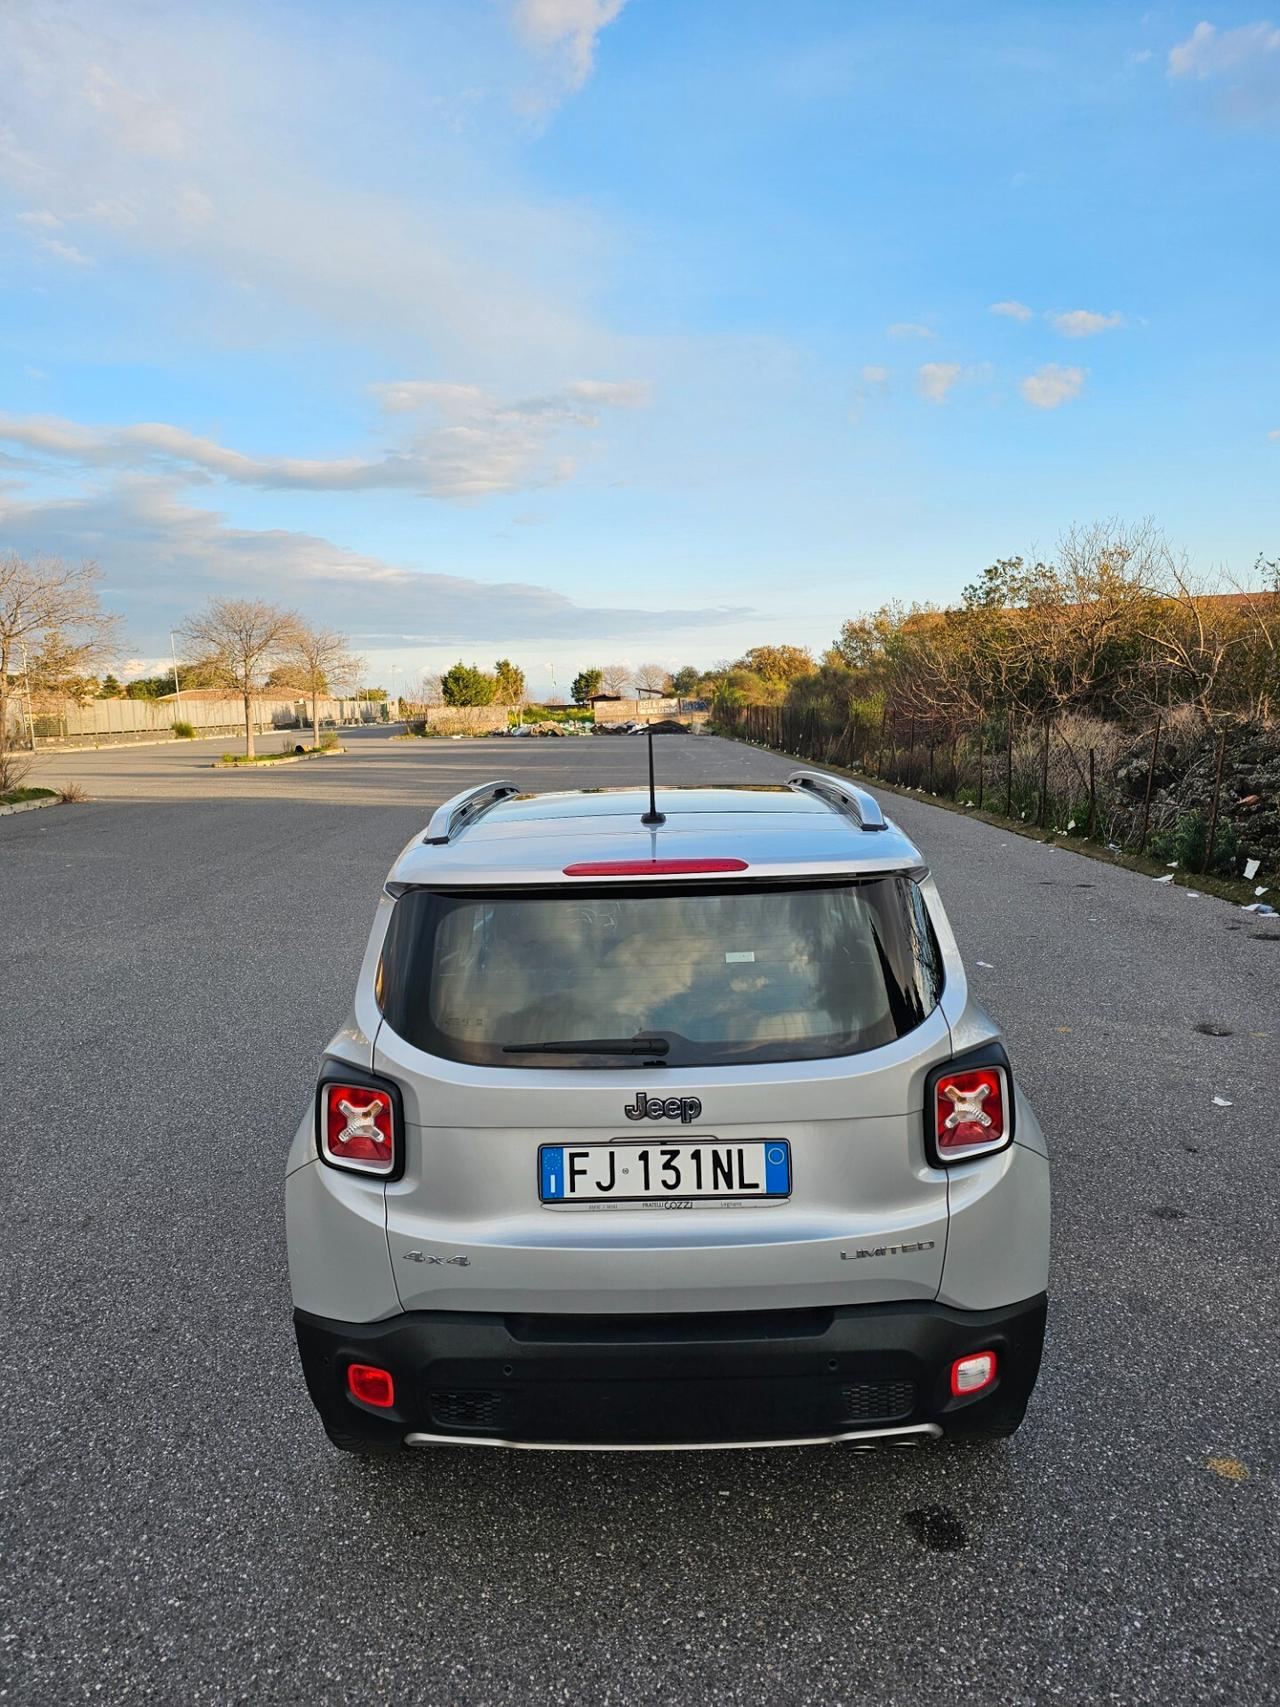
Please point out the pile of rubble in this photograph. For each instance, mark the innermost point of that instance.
(1184, 782)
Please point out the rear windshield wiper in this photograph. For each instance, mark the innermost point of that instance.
(592, 1046)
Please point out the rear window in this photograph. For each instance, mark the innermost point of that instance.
(698, 976)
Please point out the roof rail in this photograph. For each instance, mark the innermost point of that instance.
(844, 796)
(464, 809)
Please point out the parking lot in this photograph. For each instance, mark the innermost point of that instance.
(177, 1528)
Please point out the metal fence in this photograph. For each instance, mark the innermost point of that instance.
(1025, 769)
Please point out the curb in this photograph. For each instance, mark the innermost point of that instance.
(28, 806)
(269, 763)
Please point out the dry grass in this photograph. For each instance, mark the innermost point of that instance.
(15, 767)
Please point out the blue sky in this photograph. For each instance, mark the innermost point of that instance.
(595, 330)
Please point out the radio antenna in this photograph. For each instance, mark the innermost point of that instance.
(652, 816)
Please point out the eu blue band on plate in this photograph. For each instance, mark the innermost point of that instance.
(552, 1160)
(777, 1169)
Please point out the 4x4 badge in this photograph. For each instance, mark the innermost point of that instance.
(451, 1262)
(683, 1109)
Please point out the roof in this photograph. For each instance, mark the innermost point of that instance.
(778, 830)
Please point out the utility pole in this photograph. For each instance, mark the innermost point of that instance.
(26, 696)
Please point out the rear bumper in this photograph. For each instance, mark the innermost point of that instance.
(748, 1378)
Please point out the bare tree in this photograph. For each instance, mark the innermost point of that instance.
(615, 678)
(246, 636)
(46, 603)
(321, 661)
(430, 692)
(653, 679)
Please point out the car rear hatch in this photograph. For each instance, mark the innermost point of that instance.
(735, 1067)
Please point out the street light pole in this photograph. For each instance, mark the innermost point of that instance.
(173, 653)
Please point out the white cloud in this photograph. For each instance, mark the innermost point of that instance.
(1083, 322)
(910, 329)
(484, 446)
(41, 217)
(873, 382)
(161, 558)
(1244, 61)
(1208, 52)
(212, 149)
(1051, 385)
(1274, 433)
(403, 396)
(570, 26)
(936, 379)
(140, 123)
(60, 251)
(1011, 310)
(612, 393)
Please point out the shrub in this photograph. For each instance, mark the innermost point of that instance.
(14, 770)
(541, 714)
(183, 730)
(71, 794)
(1186, 838)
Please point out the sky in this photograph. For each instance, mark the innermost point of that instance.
(583, 331)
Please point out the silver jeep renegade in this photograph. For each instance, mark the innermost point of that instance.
(666, 1121)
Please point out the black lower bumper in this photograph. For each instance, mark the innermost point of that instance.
(674, 1380)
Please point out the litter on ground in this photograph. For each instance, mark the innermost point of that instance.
(1168, 879)
(1221, 1102)
(1251, 867)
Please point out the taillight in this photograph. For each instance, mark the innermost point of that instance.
(359, 1128)
(371, 1385)
(969, 1111)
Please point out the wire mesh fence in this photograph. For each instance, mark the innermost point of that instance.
(1138, 789)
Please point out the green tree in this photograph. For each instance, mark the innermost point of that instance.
(509, 683)
(110, 688)
(685, 681)
(57, 669)
(467, 684)
(778, 663)
(194, 673)
(149, 687)
(585, 684)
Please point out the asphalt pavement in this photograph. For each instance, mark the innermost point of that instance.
(176, 1528)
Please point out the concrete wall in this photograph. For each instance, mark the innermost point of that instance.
(692, 711)
(466, 719)
(109, 722)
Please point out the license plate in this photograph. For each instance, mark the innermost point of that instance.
(631, 1173)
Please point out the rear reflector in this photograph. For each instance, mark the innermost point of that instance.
(372, 1386)
(971, 1374)
(652, 867)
